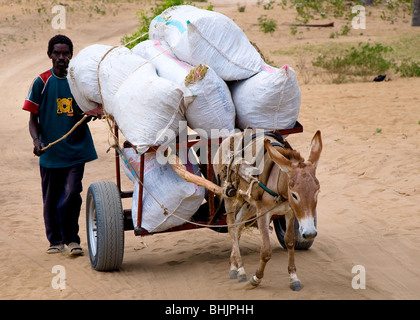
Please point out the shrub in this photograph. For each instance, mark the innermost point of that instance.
(363, 60)
(408, 69)
(267, 25)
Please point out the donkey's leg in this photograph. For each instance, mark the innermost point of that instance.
(237, 270)
(265, 253)
(289, 240)
(230, 219)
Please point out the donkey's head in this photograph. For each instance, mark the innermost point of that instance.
(303, 186)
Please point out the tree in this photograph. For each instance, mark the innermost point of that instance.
(416, 13)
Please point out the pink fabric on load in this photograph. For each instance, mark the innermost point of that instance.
(269, 69)
(158, 46)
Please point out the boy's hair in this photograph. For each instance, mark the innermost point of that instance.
(62, 39)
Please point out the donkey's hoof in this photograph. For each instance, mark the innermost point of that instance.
(242, 277)
(233, 274)
(254, 281)
(296, 285)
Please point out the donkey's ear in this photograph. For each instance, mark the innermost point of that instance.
(316, 148)
(277, 157)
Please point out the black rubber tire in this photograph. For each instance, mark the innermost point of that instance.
(105, 226)
(300, 242)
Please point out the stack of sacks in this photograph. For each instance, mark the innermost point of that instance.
(181, 198)
(209, 38)
(264, 97)
(211, 105)
(268, 100)
(144, 105)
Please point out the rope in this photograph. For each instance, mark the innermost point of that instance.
(223, 225)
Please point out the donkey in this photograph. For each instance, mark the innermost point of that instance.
(287, 185)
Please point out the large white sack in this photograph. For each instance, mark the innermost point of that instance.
(147, 108)
(211, 106)
(115, 68)
(181, 198)
(269, 100)
(115, 65)
(200, 36)
(82, 76)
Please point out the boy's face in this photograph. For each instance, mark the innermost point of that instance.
(60, 57)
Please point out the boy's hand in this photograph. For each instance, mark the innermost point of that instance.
(38, 146)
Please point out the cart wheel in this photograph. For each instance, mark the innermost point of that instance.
(300, 242)
(105, 226)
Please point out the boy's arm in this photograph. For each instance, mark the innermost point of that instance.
(34, 132)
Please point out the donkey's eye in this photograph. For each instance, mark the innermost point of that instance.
(295, 196)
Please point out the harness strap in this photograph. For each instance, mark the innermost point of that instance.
(279, 143)
(276, 144)
(276, 136)
(271, 192)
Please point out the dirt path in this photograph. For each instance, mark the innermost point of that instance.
(368, 214)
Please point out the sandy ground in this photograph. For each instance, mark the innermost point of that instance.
(368, 211)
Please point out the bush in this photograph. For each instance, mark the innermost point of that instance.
(363, 60)
(267, 25)
(409, 69)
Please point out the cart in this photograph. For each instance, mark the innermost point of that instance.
(107, 220)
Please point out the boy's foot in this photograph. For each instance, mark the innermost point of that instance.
(75, 249)
(56, 248)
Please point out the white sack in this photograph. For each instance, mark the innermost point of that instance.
(115, 68)
(212, 108)
(147, 108)
(199, 36)
(269, 100)
(115, 65)
(82, 76)
(178, 196)
(211, 105)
